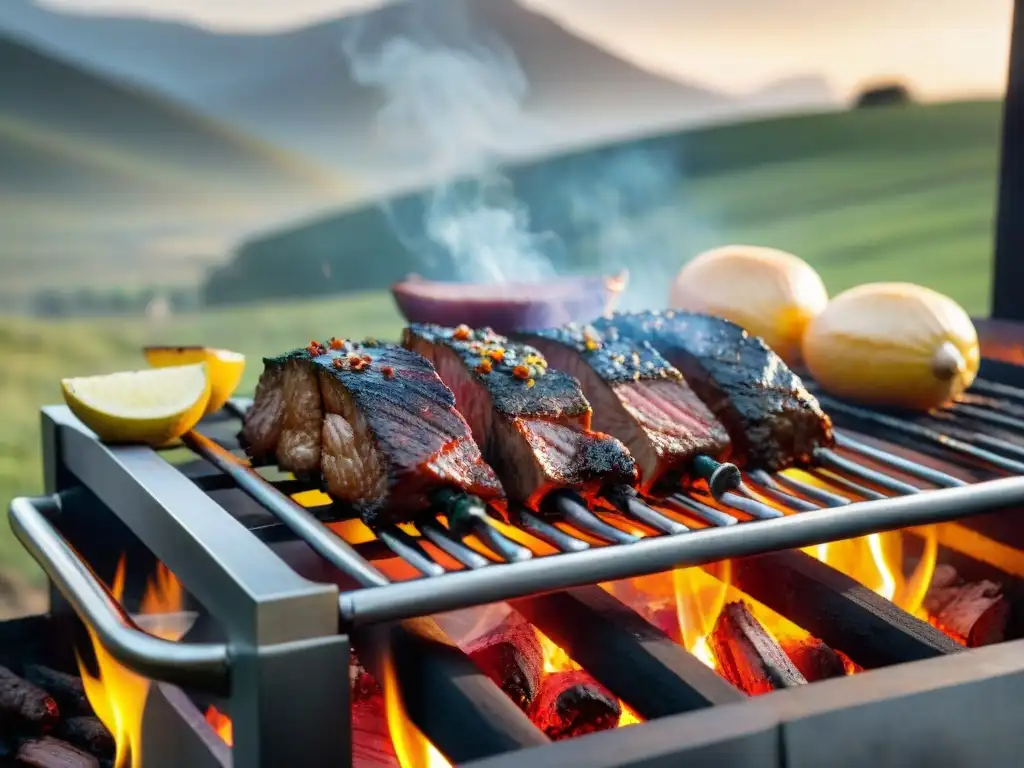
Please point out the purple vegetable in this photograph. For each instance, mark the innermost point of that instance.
(508, 307)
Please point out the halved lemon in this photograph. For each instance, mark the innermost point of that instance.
(224, 367)
(152, 406)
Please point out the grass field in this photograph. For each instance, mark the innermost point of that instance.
(857, 209)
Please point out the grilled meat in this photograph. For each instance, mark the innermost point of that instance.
(532, 423)
(387, 432)
(638, 397)
(774, 422)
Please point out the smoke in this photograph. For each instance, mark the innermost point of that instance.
(630, 209)
(453, 105)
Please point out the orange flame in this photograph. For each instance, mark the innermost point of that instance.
(118, 696)
(221, 724)
(876, 561)
(413, 749)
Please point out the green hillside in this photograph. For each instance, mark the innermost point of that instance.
(902, 194)
(102, 183)
(895, 193)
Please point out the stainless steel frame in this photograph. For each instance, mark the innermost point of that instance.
(284, 664)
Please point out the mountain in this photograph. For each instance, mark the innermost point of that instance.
(90, 168)
(297, 88)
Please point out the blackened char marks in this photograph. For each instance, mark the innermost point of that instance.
(538, 438)
(638, 397)
(515, 375)
(409, 415)
(613, 360)
(774, 422)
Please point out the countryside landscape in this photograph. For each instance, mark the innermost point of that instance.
(253, 214)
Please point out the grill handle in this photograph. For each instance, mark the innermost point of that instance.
(193, 665)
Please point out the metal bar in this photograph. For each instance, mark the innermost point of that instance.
(832, 460)
(820, 495)
(436, 534)
(407, 548)
(635, 660)
(202, 666)
(837, 481)
(838, 610)
(989, 417)
(295, 516)
(628, 503)
(574, 510)
(703, 511)
(751, 506)
(956, 428)
(245, 585)
(912, 468)
(651, 555)
(456, 706)
(998, 390)
(1008, 273)
(922, 433)
(544, 531)
(772, 488)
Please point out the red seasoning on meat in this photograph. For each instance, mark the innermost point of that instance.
(639, 398)
(532, 423)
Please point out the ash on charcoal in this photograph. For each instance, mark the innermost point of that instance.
(976, 612)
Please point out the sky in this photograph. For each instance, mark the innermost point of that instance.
(945, 48)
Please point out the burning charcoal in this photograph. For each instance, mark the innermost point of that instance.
(25, 706)
(815, 660)
(88, 733)
(748, 657)
(976, 612)
(362, 683)
(371, 740)
(48, 752)
(67, 690)
(511, 655)
(572, 704)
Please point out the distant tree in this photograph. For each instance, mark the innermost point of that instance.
(884, 95)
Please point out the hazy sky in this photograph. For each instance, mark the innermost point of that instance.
(945, 47)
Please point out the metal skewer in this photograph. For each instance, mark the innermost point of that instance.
(573, 509)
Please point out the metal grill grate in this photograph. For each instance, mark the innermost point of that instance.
(844, 495)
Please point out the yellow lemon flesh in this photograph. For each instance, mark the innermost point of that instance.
(225, 368)
(895, 344)
(770, 293)
(152, 406)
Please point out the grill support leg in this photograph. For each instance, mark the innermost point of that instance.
(290, 704)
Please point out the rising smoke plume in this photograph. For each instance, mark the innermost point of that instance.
(454, 99)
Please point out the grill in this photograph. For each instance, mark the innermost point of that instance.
(283, 587)
(238, 540)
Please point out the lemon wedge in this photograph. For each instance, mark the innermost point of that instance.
(152, 406)
(224, 367)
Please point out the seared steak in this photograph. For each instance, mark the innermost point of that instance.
(774, 422)
(532, 423)
(638, 397)
(387, 434)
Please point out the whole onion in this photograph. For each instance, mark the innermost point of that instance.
(771, 293)
(895, 344)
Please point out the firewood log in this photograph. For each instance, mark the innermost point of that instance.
(573, 703)
(748, 657)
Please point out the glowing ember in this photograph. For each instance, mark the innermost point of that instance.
(413, 749)
(221, 724)
(116, 695)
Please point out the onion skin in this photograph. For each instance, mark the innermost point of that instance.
(770, 293)
(509, 307)
(893, 344)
